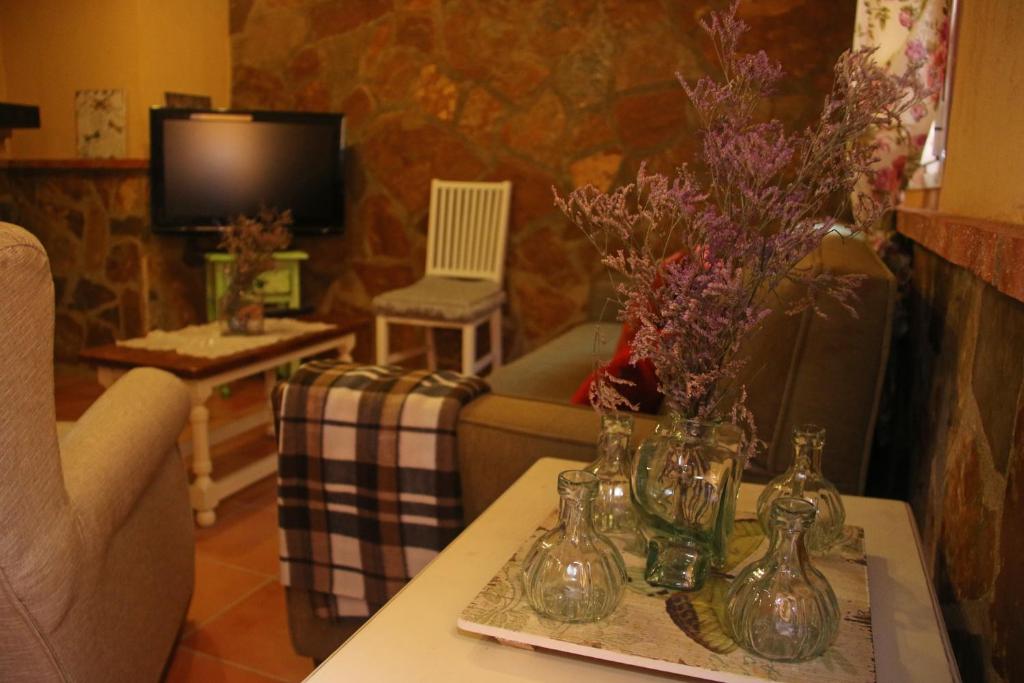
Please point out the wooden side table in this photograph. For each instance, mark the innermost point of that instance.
(202, 376)
(280, 287)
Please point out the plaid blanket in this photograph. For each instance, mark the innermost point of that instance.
(368, 488)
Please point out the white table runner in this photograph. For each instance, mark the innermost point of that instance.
(206, 341)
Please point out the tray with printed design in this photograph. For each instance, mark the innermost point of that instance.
(681, 633)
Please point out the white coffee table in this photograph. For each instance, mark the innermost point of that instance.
(202, 376)
(414, 637)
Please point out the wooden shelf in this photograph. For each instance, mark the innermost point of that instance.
(992, 250)
(75, 164)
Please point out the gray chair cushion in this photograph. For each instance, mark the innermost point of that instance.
(441, 298)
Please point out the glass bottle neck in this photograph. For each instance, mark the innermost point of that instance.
(574, 516)
(613, 448)
(807, 458)
(787, 547)
(676, 424)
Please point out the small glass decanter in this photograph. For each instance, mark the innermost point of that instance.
(614, 515)
(573, 573)
(804, 479)
(781, 607)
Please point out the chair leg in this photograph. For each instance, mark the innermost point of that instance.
(495, 339)
(431, 349)
(382, 340)
(468, 349)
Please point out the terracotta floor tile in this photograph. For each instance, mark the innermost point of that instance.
(254, 634)
(218, 587)
(189, 666)
(244, 536)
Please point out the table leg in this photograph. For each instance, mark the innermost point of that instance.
(431, 348)
(203, 500)
(348, 344)
(469, 349)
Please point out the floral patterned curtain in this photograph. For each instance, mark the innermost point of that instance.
(904, 32)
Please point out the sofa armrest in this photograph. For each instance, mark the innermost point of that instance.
(500, 437)
(113, 452)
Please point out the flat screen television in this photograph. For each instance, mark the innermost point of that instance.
(208, 166)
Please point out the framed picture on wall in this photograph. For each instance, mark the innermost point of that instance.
(181, 100)
(100, 121)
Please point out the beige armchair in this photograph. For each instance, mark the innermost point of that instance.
(96, 543)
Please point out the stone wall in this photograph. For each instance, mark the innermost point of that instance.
(94, 225)
(964, 431)
(542, 92)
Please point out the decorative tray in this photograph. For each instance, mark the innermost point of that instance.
(655, 628)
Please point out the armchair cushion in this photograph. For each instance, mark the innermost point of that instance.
(441, 298)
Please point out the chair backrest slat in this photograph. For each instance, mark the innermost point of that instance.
(486, 215)
(468, 229)
(474, 236)
(486, 256)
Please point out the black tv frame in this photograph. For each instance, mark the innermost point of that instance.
(210, 224)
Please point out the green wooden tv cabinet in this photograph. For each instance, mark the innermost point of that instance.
(280, 287)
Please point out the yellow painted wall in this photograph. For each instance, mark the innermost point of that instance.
(185, 47)
(984, 170)
(51, 48)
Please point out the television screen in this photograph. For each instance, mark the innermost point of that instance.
(209, 166)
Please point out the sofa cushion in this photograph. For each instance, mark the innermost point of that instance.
(500, 437)
(554, 371)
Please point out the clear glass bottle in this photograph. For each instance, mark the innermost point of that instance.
(781, 607)
(613, 514)
(804, 479)
(573, 573)
(685, 482)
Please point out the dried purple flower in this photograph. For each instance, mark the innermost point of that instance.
(253, 241)
(700, 255)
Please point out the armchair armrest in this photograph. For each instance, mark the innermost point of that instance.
(113, 452)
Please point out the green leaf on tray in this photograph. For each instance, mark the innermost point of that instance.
(746, 536)
(700, 615)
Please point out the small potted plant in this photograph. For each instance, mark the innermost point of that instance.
(251, 242)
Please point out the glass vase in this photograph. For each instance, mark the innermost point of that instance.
(241, 312)
(781, 607)
(685, 483)
(573, 573)
(804, 480)
(613, 512)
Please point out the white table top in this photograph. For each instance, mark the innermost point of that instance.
(414, 637)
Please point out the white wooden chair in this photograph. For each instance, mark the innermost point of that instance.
(462, 287)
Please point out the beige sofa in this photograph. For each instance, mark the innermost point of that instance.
(803, 368)
(96, 552)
